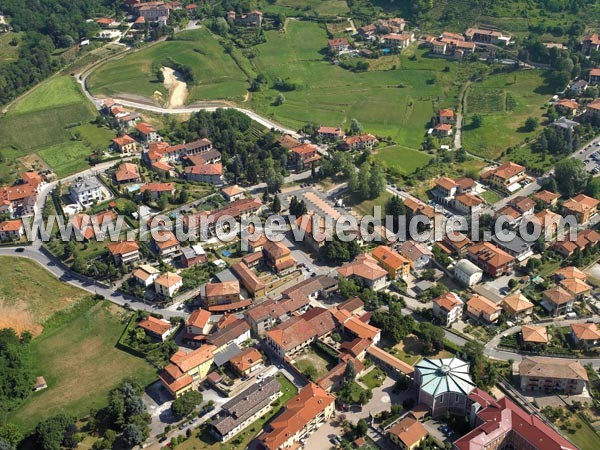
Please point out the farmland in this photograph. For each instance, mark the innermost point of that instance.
(217, 74)
(78, 358)
(51, 121)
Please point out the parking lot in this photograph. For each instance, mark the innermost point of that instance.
(591, 155)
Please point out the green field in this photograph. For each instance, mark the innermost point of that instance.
(45, 122)
(80, 363)
(317, 7)
(8, 53)
(405, 160)
(505, 100)
(219, 77)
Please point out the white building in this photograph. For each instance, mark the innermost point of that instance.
(168, 284)
(448, 308)
(86, 191)
(467, 273)
(145, 275)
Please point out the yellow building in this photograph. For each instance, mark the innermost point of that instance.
(394, 263)
(187, 369)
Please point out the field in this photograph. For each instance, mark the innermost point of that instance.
(505, 100)
(404, 160)
(318, 7)
(311, 359)
(80, 363)
(219, 77)
(8, 53)
(29, 295)
(45, 121)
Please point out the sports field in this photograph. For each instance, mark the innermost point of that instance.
(45, 122)
(218, 75)
(80, 363)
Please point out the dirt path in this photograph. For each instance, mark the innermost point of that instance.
(177, 88)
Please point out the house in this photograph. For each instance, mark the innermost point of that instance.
(159, 329)
(245, 409)
(247, 362)
(302, 415)
(253, 18)
(397, 40)
(365, 269)
(445, 116)
(231, 330)
(265, 315)
(578, 87)
(442, 130)
(223, 293)
(334, 379)
(595, 76)
(106, 22)
(558, 300)
(576, 287)
(546, 198)
(255, 287)
(582, 207)
(505, 177)
(486, 36)
(445, 190)
(233, 193)
(168, 284)
(585, 335)
(330, 133)
(278, 257)
(390, 363)
(416, 252)
(40, 383)
(503, 424)
(514, 245)
(291, 336)
(158, 189)
(408, 433)
(153, 11)
(124, 252)
(467, 273)
(360, 142)
(564, 126)
(338, 45)
(186, 370)
(589, 43)
(448, 308)
(455, 244)
(517, 306)
(190, 256)
(585, 239)
(125, 144)
(481, 308)
(467, 203)
(534, 334)
(304, 155)
(162, 168)
(569, 272)
(444, 385)
(86, 191)
(548, 221)
(397, 266)
(147, 132)
(166, 243)
(207, 173)
(567, 107)
(491, 259)
(127, 173)
(354, 327)
(552, 375)
(11, 230)
(416, 208)
(145, 275)
(197, 327)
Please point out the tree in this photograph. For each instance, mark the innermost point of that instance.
(11, 435)
(361, 428)
(184, 405)
(476, 121)
(593, 188)
(571, 176)
(310, 372)
(133, 434)
(355, 127)
(276, 205)
(350, 371)
(51, 432)
(377, 181)
(280, 99)
(432, 337)
(17, 377)
(531, 124)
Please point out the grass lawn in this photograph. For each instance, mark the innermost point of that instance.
(405, 160)
(206, 441)
(218, 75)
(8, 53)
(374, 378)
(365, 207)
(66, 158)
(81, 364)
(318, 7)
(490, 196)
(29, 295)
(59, 91)
(505, 100)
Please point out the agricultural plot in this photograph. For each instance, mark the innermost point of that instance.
(218, 76)
(505, 100)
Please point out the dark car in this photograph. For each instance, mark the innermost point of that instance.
(20, 249)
